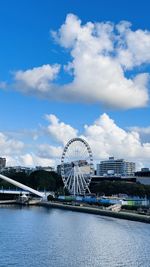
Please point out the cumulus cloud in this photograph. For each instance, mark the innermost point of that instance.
(60, 131)
(32, 160)
(49, 151)
(100, 54)
(29, 160)
(134, 46)
(10, 146)
(15, 152)
(144, 132)
(11, 149)
(37, 79)
(107, 138)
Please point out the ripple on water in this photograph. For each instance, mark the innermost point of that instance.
(35, 237)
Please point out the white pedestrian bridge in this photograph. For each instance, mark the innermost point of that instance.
(24, 188)
(13, 192)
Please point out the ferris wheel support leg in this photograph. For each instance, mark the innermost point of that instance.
(83, 180)
(68, 177)
(74, 177)
(79, 182)
(86, 185)
(70, 186)
(82, 184)
(78, 185)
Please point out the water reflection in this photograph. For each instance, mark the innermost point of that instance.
(37, 236)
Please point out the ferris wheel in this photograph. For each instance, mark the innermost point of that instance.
(77, 166)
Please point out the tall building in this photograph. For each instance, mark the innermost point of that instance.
(116, 167)
(2, 163)
(83, 164)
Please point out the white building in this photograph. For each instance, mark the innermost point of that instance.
(83, 164)
(116, 167)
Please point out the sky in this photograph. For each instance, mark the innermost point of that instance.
(73, 68)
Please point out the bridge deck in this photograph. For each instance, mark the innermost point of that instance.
(18, 192)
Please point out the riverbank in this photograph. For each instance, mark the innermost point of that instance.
(87, 209)
(98, 211)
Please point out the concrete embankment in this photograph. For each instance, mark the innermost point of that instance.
(98, 211)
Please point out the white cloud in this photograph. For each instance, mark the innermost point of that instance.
(32, 160)
(49, 151)
(10, 146)
(106, 139)
(144, 130)
(144, 133)
(134, 46)
(100, 54)
(60, 131)
(11, 149)
(15, 152)
(36, 79)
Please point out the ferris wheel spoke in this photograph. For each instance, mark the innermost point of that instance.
(75, 155)
(68, 156)
(69, 185)
(81, 178)
(86, 185)
(68, 174)
(84, 150)
(70, 152)
(79, 188)
(70, 182)
(76, 166)
(72, 186)
(85, 155)
(84, 182)
(80, 184)
(80, 152)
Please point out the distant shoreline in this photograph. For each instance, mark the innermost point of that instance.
(98, 211)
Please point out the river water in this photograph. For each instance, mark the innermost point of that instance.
(37, 237)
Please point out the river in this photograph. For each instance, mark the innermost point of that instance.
(37, 237)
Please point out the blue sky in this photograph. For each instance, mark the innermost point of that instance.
(26, 43)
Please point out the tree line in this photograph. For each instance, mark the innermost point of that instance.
(109, 188)
(50, 181)
(40, 180)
